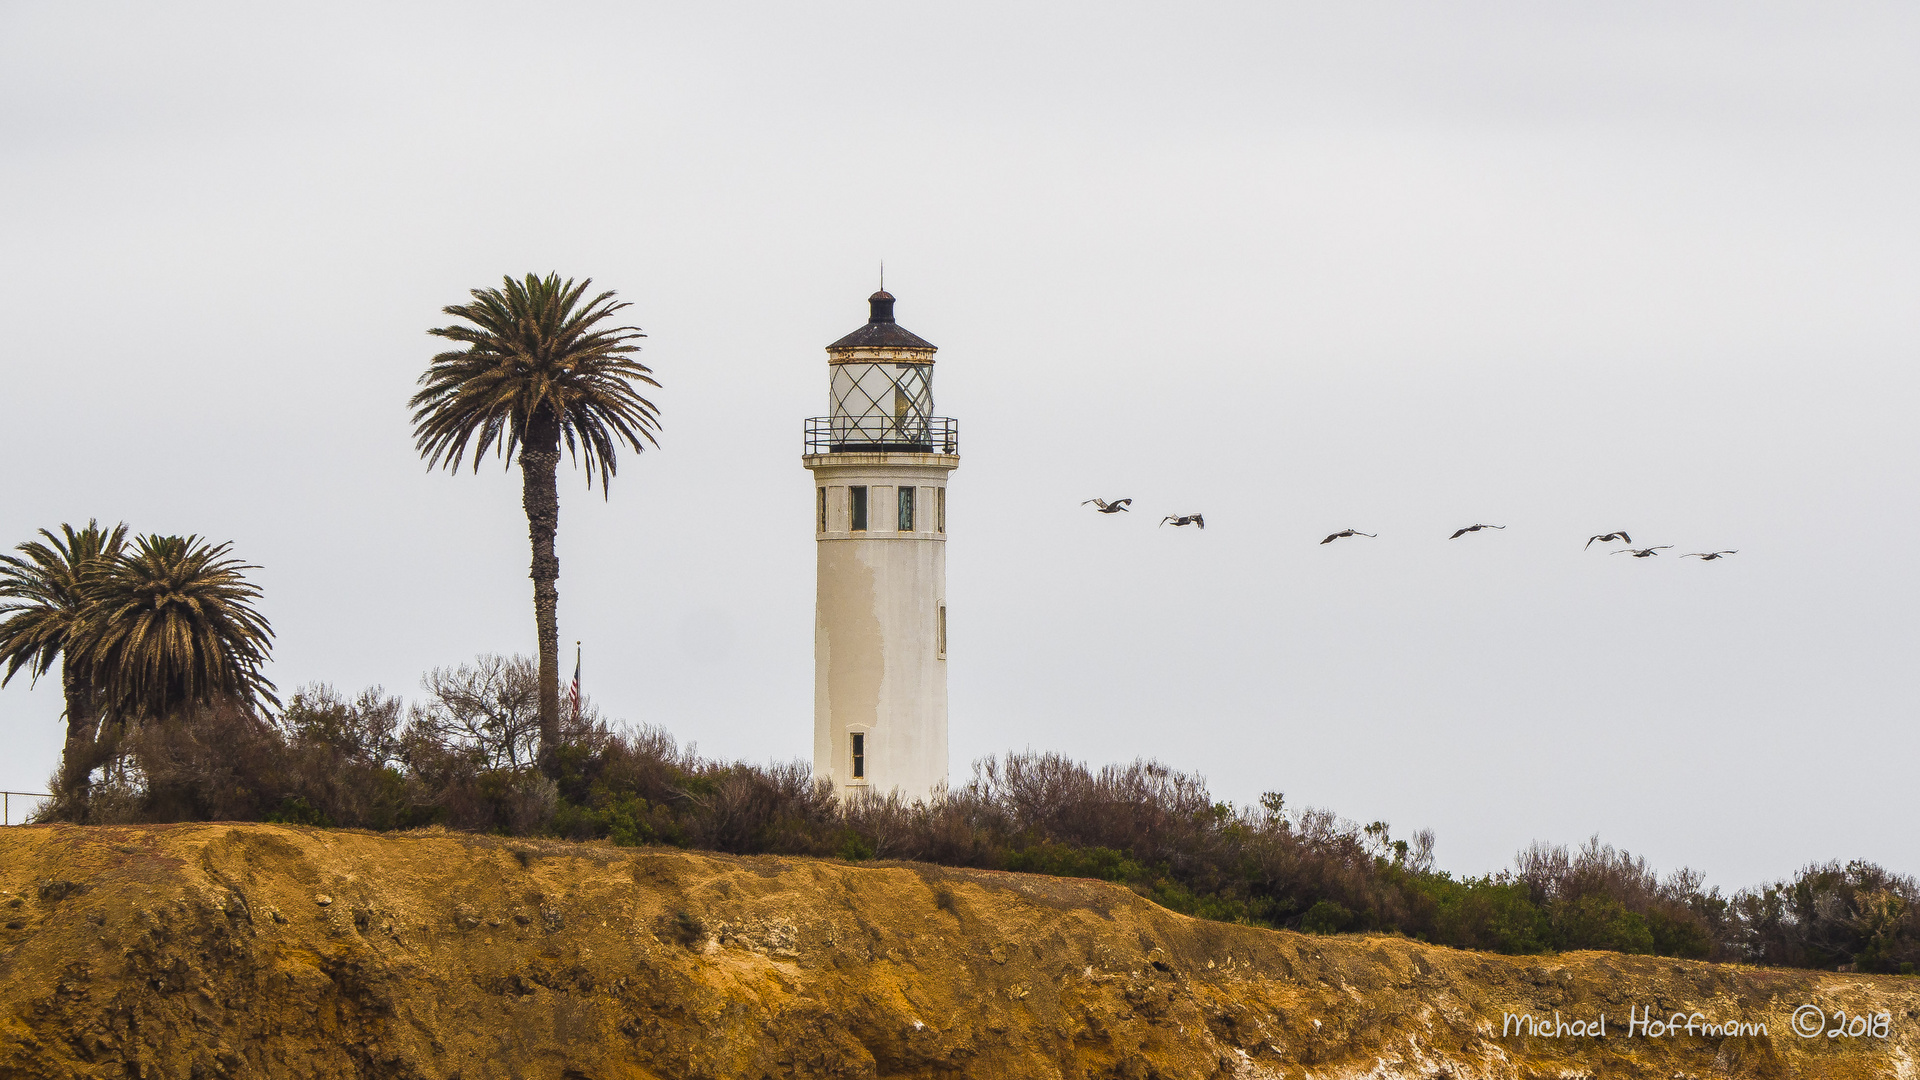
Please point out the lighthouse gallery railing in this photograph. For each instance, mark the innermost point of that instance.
(883, 434)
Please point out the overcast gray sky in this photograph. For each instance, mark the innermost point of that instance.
(1403, 267)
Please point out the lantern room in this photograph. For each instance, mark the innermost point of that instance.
(880, 396)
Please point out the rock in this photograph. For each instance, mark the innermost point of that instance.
(54, 890)
(323, 899)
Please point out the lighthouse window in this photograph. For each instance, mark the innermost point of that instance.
(859, 755)
(940, 510)
(859, 508)
(906, 508)
(941, 641)
(823, 509)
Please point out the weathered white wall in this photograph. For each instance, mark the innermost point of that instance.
(877, 661)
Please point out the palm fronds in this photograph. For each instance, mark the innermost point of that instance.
(537, 363)
(171, 622)
(42, 594)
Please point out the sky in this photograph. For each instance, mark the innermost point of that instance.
(1401, 267)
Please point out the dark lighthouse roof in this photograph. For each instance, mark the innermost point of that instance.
(881, 332)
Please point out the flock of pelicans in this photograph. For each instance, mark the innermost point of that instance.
(1118, 506)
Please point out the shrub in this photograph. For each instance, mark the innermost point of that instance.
(1326, 917)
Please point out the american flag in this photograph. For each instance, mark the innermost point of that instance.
(573, 692)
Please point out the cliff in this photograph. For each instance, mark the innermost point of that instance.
(199, 951)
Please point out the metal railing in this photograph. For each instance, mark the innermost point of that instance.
(882, 434)
(6, 802)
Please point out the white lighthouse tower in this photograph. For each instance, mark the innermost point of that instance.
(880, 460)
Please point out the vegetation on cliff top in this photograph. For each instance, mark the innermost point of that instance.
(464, 757)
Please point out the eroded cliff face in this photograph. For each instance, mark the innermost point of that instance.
(200, 951)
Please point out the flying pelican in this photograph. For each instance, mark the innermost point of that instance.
(1473, 528)
(1185, 519)
(1705, 556)
(1641, 553)
(1104, 507)
(1346, 532)
(1604, 537)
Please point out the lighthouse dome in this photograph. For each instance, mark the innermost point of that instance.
(881, 332)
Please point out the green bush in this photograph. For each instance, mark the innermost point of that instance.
(1594, 922)
(296, 810)
(1064, 860)
(1326, 917)
(1678, 935)
(1486, 913)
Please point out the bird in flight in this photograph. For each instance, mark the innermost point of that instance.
(1472, 528)
(1705, 556)
(1102, 506)
(1185, 519)
(1641, 553)
(1346, 532)
(1605, 537)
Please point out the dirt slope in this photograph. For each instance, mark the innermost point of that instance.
(261, 951)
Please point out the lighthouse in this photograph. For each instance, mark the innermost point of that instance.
(880, 460)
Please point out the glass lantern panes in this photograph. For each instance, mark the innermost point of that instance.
(883, 406)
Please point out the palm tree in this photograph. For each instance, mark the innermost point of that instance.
(42, 595)
(170, 623)
(538, 367)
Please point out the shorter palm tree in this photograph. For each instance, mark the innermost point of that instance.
(170, 623)
(42, 596)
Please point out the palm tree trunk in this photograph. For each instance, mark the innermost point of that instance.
(540, 495)
(77, 757)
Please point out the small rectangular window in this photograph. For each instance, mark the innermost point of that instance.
(940, 510)
(906, 508)
(941, 642)
(859, 755)
(859, 508)
(823, 509)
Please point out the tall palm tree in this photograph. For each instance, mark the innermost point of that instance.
(170, 623)
(42, 595)
(538, 367)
